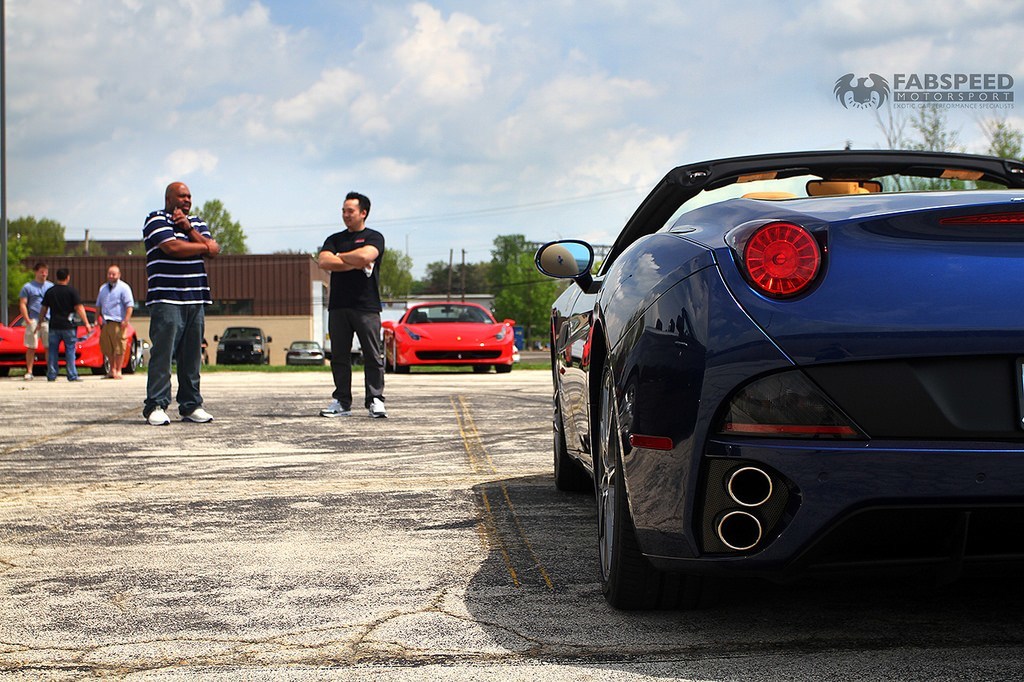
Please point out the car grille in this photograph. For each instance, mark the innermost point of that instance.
(458, 354)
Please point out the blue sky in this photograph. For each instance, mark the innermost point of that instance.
(460, 120)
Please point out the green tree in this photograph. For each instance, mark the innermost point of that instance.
(227, 232)
(39, 238)
(17, 274)
(521, 292)
(395, 274)
(468, 278)
(933, 131)
(1004, 140)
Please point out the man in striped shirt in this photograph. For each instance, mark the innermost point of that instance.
(178, 291)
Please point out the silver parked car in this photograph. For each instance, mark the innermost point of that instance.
(304, 353)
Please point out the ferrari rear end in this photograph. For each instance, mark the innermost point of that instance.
(857, 386)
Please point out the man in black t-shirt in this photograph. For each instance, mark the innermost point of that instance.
(63, 302)
(353, 258)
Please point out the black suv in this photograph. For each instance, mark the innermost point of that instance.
(243, 346)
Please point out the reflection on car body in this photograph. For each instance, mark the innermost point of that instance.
(789, 364)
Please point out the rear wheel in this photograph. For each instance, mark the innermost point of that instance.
(628, 580)
(481, 369)
(4, 371)
(503, 369)
(133, 357)
(569, 475)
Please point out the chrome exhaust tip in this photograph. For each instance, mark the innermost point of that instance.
(749, 486)
(739, 530)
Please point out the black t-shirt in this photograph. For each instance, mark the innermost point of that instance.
(355, 289)
(61, 300)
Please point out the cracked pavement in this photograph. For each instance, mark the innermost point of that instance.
(276, 544)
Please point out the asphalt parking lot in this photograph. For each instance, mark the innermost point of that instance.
(276, 544)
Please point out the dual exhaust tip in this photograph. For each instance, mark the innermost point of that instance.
(749, 487)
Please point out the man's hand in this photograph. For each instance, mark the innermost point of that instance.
(180, 218)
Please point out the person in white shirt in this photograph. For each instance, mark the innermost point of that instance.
(115, 304)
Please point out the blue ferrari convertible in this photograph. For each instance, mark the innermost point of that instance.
(796, 363)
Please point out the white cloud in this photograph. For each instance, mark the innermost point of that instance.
(184, 163)
(445, 62)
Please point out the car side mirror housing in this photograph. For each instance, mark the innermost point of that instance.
(567, 259)
(387, 324)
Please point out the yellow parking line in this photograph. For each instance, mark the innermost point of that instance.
(472, 442)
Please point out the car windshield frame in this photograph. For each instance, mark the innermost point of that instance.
(709, 182)
(479, 315)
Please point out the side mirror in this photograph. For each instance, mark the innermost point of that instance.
(269, 339)
(216, 338)
(509, 322)
(388, 324)
(567, 259)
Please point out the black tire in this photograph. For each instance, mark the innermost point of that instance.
(5, 371)
(481, 369)
(628, 580)
(401, 369)
(503, 369)
(570, 476)
(133, 357)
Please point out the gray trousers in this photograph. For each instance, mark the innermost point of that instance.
(342, 323)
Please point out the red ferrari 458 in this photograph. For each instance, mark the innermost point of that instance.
(448, 333)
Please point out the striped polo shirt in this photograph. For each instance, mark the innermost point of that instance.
(179, 281)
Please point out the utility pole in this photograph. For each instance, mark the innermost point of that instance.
(463, 275)
(451, 254)
(3, 163)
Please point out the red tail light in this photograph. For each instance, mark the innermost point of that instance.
(985, 219)
(782, 259)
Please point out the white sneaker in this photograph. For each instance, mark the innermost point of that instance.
(198, 415)
(335, 410)
(377, 409)
(28, 376)
(158, 417)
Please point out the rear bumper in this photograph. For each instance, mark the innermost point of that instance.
(853, 507)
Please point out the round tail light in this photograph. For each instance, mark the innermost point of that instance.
(782, 259)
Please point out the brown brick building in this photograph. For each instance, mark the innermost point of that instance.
(284, 294)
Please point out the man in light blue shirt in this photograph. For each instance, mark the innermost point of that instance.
(30, 300)
(115, 304)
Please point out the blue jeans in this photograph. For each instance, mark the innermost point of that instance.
(176, 332)
(70, 339)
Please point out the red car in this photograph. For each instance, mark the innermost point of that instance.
(448, 333)
(88, 354)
